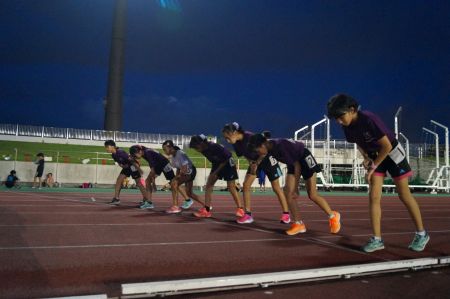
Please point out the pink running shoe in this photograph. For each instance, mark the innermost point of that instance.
(202, 213)
(173, 210)
(285, 218)
(240, 212)
(245, 219)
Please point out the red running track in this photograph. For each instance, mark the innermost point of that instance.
(62, 244)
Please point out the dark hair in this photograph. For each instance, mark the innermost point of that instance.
(50, 173)
(40, 155)
(170, 144)
(339, 104)
(110, 143)
(136, 148)
(232, 127)
(197, 140)
(12, 172)
(257, 140)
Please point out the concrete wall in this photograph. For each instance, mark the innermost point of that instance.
(96, 174)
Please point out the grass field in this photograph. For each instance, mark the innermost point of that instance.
(68, 153)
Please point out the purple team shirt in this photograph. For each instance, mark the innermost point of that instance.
(241, 147)
(216, 153)
(122, 158)
(154, 158)
(367, 130)
(287, 151)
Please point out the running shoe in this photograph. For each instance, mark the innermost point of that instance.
(373, 245)
(245, 219)
(419, 242)
(296, 228)
(114, 201)
(187, 204)
(285, 218)
(335, 223)
(146, 205)
(202, 213)
(173, 210)
(240, 212)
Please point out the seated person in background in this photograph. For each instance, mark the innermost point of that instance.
(11, 180)
(49, 180)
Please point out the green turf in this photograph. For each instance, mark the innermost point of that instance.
(68, 153)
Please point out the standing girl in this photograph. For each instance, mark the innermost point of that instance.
(382, 153)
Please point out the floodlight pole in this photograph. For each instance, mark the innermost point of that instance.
(113, 107)
(396, 121)
(407, 145)
(299, 131)
(446, 140)
(436, 136)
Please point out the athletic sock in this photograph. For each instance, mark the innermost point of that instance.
(285, 213)
(331, 216)
(377, 238)
(208, 208)
(248, 213)
(298, 222)
(422, 233)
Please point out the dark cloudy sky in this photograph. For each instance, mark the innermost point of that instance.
(269, 64)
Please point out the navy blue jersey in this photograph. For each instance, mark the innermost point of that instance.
(216, 153)
(122, 158)
(11, 178)
(154, 159)
(287, 151)
(40, 163)
(241, 147)
(367, 130)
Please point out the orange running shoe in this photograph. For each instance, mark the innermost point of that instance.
(296, 228)
(335, 223)
(240, 212)
(202, 213)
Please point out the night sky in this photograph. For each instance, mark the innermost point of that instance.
(268, 64)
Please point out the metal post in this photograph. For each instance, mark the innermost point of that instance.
(17, 130)
(407, 145)
(96, 170)
(15, 158)
(313, 127)
(298, 132)
(396, 121)
(446, 141)
(436, 136)
(137, 137)
(56, 168)
(42, 134)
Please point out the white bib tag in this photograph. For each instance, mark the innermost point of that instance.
(397, 154)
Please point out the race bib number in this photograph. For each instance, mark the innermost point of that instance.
(310, 161)
(273, 161)
(397, 154)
